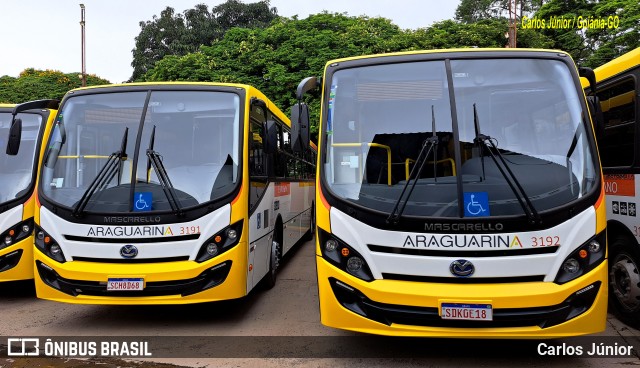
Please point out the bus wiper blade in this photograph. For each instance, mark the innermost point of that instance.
(110, 168)
(428, 146)
(511, 179)
(155, 160)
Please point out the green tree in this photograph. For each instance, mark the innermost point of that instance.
(471, 11)
(181, 33)
(33, 84)
(275, 59)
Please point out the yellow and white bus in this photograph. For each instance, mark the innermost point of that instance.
(459, 195)
(168, 193)
(21, 130)
(618, 91)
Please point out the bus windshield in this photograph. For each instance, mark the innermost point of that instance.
(101, 142)
(16, 172)
(518, 123)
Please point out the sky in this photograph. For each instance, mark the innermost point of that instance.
(45, 34)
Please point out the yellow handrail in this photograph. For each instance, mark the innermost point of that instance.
(409, 161)
(375, 145)
(84, 156)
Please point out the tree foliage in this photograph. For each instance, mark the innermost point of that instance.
(275, 59)
(594, 45)
(33, 84)
(471, 11)
(180, 33)
(589, 46)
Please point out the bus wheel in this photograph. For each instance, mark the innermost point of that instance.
(274, 263)
(624, 281)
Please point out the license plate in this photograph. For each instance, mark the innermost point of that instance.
(467, 312)
(125, 284)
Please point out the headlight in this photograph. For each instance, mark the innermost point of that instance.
(16, 233)
(221, 242)
(583, 259)
(338, 253)
(47, 245)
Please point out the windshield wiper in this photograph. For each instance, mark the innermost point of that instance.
(110, 168)
(487, 142)
(429, 144)
(155, 160)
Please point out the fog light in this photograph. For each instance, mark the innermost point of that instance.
(330, 245)
(571, 266)
(231, 234)
(212, 249)
(55, 249)
(40, 235)
(26, 228)
(594, 246)
(354, 264)
(7, 240)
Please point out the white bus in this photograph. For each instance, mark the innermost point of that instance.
(161, 193)
(22, 128)
(618, 90)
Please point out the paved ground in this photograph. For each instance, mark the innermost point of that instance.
(289, 312)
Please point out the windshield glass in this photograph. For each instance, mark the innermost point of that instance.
(196, 138)
(16, 172)
(380, 117)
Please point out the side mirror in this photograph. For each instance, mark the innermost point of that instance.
(15, 134)
(300, 127)
(597, 117)
(271, 137)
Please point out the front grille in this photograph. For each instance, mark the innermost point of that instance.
(388, 314)
(162, 239)
(212, 277)
(131, 260)
(461, 253)
(10, 260)
(463, 280)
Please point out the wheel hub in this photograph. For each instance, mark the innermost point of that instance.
(624, 281)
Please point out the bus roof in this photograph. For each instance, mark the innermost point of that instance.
(618, 65)
(455, 50)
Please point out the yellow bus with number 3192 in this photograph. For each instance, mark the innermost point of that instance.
(459, 195)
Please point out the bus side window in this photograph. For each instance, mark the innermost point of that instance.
(618, 107)
(257, 165)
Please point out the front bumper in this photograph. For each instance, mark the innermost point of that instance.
(180, 282)
(405, 308)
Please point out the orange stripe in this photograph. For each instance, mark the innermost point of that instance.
(323, 200)
(237, 198)
(600, 198)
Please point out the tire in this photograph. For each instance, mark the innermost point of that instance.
(624, 280)
(312, 226)
(274, 263)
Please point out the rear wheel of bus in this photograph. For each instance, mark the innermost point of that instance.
(624, 281)
(275, 257)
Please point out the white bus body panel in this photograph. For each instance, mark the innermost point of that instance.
(11, 217)
(569, 235)
(58, 228)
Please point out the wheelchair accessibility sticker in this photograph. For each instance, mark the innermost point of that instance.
(142, 201)
(476, 204)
